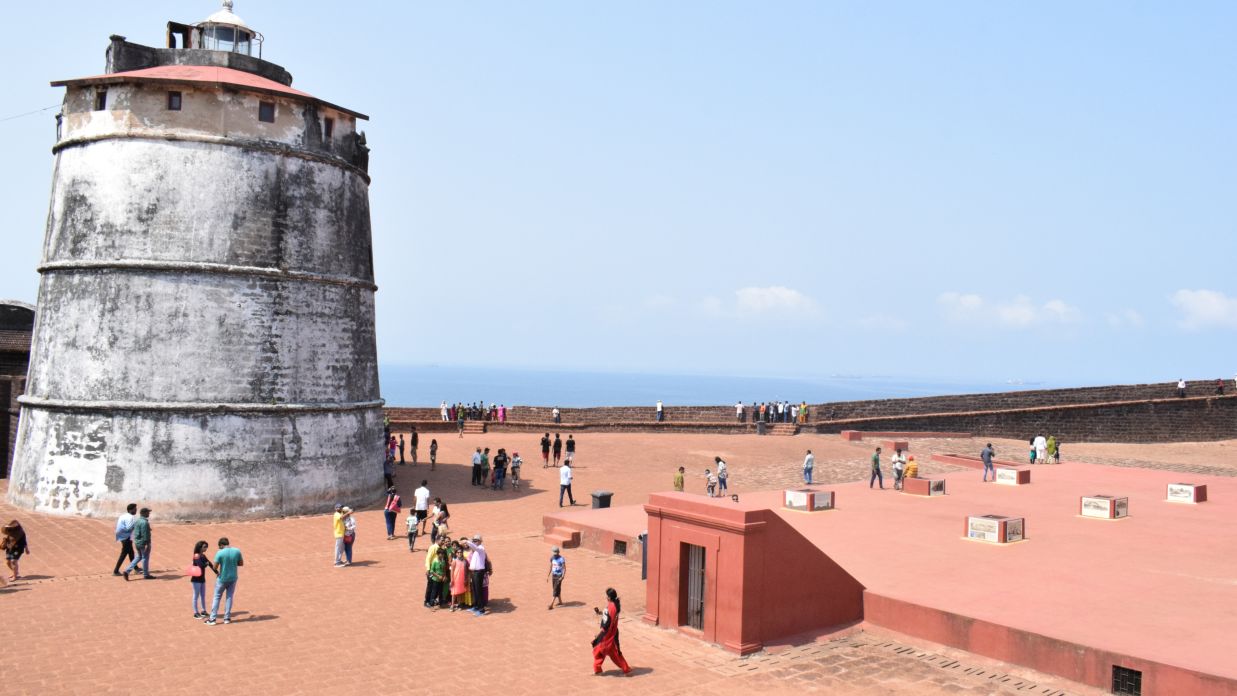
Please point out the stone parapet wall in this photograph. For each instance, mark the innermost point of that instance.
(1123, 413)
(1161, 420)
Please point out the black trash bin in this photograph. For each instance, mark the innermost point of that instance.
(760, 427)
(601, 499)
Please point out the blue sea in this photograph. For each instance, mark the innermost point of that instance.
(404, 385)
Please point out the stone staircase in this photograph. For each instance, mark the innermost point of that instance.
(784, 429)
(474, 427)
(563, 537)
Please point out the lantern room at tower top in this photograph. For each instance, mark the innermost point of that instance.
(222, 31)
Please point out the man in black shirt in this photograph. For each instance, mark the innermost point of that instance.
(545, 451)
(571, 448)
(414, 440)
(500, 469)
(558, 449)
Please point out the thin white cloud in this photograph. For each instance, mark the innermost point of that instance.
(1201, 309)
(774, 299)
(1019, 313)
(658, 301)
(1125, 319)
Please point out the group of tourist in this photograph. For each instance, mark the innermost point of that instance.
(772, 412)
(1044, 450)
(557, 447)
(475, 411)
(133, 533)
(493, 473)
(397, 445)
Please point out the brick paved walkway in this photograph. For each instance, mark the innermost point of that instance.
(303, 626)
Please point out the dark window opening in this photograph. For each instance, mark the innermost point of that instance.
(620, 548)
(328, 128)
(173, 101)
(100, 99)
(1127, 681)
(266, 112)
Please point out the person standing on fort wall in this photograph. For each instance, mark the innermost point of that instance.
(1181, 388)
(876, 470)
(442, 410)
(661, 413)
(558, 415)
(738, 412)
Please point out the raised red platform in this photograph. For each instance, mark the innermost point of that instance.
(1156, 593)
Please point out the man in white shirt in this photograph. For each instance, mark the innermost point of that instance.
(564, 483)
(476, 570)
(781, 411)
(660, 411)
(738, 412)
(442, 409)
(1181, 387)
(809, 462)
(124, 534)
(421, 503)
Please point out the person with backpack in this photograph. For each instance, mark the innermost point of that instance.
(545, 451)
(571, 448)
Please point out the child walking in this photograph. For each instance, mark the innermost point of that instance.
(678, 479)
(197, 578)
(710, 487)
(516, 463)
(413, 524)
(433, 454)
(14, 545)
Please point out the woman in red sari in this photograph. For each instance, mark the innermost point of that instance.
(606, 644)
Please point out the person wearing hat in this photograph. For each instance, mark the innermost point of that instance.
(558, 571)
(477, 568)
(338, 523)
(141, 545)
(912, 467)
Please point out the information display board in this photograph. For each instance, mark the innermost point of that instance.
(1104, 507)
(995, 529)
(1186, 493)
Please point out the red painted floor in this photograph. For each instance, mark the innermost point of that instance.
(1160, 584)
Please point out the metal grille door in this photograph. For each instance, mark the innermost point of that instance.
(695, 586)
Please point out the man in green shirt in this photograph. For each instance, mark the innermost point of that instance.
(141, 545)
(876, 470)
(227, 560)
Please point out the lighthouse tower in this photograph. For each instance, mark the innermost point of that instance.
(204, 343)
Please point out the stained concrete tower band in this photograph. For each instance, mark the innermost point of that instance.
(205, 335)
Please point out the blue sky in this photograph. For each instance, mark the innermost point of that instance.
(967, 190)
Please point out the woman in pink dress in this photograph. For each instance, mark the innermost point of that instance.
(459, 579)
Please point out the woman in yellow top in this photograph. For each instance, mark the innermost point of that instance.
(912, 467)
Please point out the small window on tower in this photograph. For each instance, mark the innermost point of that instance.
(266, 111)
(173, 101)
(100, 99)
(328, 128)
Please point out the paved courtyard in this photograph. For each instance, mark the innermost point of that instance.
(303, 626)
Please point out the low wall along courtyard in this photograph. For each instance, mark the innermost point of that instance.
(1121, 413)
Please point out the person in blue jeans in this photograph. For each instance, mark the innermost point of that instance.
(141, 545)
(986, 455)
(227, 560)
(809, 462)
(876, 470)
